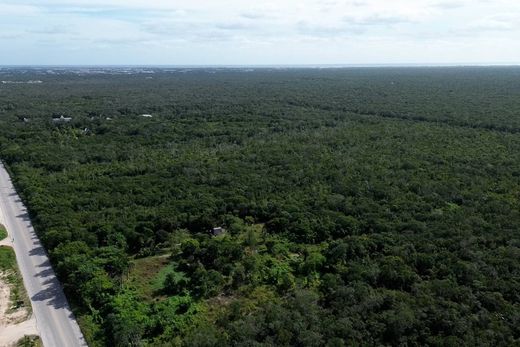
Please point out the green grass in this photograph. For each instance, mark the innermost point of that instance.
(11, 274)
(3, 232)
(7, 259)
(157, 282)
(145, 274)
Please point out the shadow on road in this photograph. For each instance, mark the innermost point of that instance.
(44, 273)
(52, 295)
(38, 251)
(46, 263)
(24, 216)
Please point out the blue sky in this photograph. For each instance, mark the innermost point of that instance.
(238, 32)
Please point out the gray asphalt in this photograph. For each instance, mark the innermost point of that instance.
(54, 319)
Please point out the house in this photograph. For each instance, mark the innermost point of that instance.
(146, 115)
(218, 231)
(62, 119)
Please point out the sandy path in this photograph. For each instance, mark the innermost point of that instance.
(9, 335)
(13, 326)
(9, 317)
(4, 300)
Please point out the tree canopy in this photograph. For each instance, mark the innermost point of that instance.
(359, 206)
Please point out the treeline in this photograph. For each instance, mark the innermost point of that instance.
(360, 206)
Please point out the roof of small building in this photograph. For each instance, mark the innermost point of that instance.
(62, 119)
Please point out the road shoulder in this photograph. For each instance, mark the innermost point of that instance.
(16, 320)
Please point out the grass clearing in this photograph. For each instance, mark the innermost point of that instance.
(158, 281)
(145, 275)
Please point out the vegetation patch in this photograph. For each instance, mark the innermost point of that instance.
(30, 341)
(3, 232)
(146, 275)
(7, 259)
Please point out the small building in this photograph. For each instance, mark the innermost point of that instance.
(146, 115)
(62, 119)
(217, 231)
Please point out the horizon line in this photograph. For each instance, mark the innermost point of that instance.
(315, 66)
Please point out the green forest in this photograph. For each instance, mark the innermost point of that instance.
(359, 206)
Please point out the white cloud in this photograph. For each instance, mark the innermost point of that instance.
(495, 23)
(18, 10)
(270, 31)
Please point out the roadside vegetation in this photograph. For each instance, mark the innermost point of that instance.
(7, 259)
(3, 232)
(358, 206)
(11, 275)
(30, 341)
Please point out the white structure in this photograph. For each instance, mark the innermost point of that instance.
(62, 119)
(218, 231)
(146, 115)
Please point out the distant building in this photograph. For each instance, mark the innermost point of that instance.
(62, 119)
(218, 231)
(146, 115)
(21, 82)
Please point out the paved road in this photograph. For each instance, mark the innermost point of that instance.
(54, 319)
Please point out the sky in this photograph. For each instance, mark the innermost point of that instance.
(270, 32)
